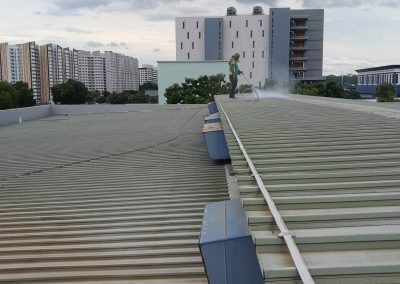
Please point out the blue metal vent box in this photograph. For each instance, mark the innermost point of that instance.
(226, 245)
(212, 108)
(212, 118)
(215, 142)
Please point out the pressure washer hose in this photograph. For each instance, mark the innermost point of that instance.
(252, 87)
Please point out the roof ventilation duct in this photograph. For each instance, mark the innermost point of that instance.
(258, 10)
(231, 11)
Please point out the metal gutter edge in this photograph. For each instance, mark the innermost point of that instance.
(285, 233)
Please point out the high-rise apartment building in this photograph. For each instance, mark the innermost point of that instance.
(148, 73)
(51, 69)
(70, 64)
(121, 72)
(21, 63)
(285, 45)
(92, 70)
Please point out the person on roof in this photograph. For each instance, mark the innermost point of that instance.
(233, 74)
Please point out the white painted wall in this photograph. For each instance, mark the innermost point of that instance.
(12, 116)
(171, 72)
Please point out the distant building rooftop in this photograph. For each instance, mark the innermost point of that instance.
(379, 68)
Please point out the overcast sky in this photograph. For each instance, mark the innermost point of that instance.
(358, 33)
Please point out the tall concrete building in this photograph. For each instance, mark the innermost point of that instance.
(92, 70)
(148, 73)
(21, 63)
(51, 69)
(285, 45)
(122, 72)
(70, 64)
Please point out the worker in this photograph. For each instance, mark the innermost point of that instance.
(233, 74)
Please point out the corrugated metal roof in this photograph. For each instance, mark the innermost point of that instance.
(333, 173)
(106, 198)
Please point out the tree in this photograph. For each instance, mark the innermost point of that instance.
(116, 98)
(71, 92)
(24, 94)
(93, 97)
(8, 96)
(245, 89)
(385, 93)
(138, 99)
(334, 90)
(310, 89)
(197, 91)
(174, 94)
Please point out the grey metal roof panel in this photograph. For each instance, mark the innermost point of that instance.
(333, 174)
(106, 198)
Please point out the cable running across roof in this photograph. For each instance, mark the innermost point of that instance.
(285, 233)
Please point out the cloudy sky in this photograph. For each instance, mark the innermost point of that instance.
(358, 33)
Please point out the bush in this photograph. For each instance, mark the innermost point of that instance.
(351, 95)
(197, 91)
(70, 92)
(15, 95)
(385, 93)
(245, 89)
(310, 89)
(334, 90)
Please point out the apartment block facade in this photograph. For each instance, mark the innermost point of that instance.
(21, 63)
(122, 72)
(70, 64)
(48, 65)
(51, 69)
(285, 45)
(148, 73)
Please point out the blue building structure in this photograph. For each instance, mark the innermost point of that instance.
(370, 78)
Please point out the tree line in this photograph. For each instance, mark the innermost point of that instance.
(15, 95)
(75, 92)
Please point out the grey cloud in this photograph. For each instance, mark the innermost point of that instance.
(115, 44)
(157, 50)
(94, 44)
(67, 7)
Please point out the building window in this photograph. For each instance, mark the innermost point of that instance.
(181, 45)
(262, 54)
(187, 35)
(251, 33)
(230, 24)
(253, 64)
(263, 33)
(253, 54)
(254, 44)
(197, 24)
(199, 34)
(192, 44)
(233, 44)
(183, 25)
(244, 54)
(247, 23)
(260, 23)
(188, 55)
(251, 75)
(237, 34)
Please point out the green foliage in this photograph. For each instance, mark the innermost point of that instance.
(15, 95)
(24, 94)
(334, 90)
(197, 91)
(348, 79)
(93, 97)
(385, 93)
(8, 96)
(153, 100)
(310, 89)
(71, 92)
(116, 98)
(139, 98)
(245, 89)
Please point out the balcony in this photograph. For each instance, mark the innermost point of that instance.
(298, 58)
(298, 47)
(298, 68)
(298, 37)
(298, 27)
